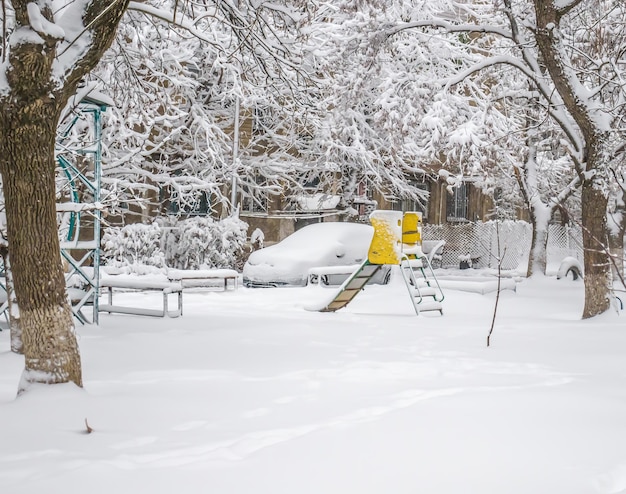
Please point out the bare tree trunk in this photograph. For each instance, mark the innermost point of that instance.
(597, 263)
(31, 107)
(27, 139)
(526, 176)
(17, 341)
(596, 161)
(538, 258)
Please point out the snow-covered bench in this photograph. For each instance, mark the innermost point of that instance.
(198, 278)
(142, 283)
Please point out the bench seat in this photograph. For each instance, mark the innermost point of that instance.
(141, 283)
(203, 278)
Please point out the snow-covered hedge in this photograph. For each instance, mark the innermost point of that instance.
(194, 243)
(198, 243)
(133, 246)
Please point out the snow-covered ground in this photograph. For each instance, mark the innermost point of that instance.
(250, 393)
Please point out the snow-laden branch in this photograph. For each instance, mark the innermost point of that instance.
(555, 108)
(87, 27)
(171, 18)
(488, 62)
(563, 7)
(537, 79)
(77, 207)
(257, 44)
(566, 192)
(448, 27)
(41, 25)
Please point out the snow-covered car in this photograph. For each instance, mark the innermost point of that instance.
(319, 245)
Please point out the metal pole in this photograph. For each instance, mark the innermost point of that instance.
(97, 196)
(233, 185)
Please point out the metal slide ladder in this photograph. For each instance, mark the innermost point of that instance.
(352, 286)
(425, 292)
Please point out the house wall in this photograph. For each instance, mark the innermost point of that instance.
(481, 206)
(437, 203)
(274, 229)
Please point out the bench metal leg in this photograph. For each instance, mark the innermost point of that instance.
(179, 311)
(165, 312)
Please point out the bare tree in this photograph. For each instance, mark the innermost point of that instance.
(571, 52)
(48, 48)
(176, 96)
(45, 59)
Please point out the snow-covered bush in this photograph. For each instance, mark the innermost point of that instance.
(200, 242)
(194, 243)
(133, 246)
(229, 240)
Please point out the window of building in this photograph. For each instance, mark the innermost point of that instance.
(253, 198)
(200, 205)
(364, 201)
(457, 209)
(311, 183)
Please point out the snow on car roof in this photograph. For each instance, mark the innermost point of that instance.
(320, 232)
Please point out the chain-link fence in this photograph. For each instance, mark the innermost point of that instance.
(485, 243)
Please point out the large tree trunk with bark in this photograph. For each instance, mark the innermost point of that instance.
(27, 139)
(45, 66)
(595, 244)
(594, 155)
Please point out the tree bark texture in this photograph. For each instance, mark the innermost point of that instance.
(27, 138)
(595, 156)
(28, 123)
(17, 345)
(595, 243)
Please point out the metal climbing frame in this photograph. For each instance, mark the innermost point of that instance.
(79, 174)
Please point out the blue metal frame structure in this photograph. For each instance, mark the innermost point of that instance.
(79, 159)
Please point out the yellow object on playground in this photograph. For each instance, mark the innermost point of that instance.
(397, 241)
(386, 245)
(411, 228)
(412, 234)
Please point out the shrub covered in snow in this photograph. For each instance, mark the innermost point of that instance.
(199, 242)
(193, 243)
(133, 246)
